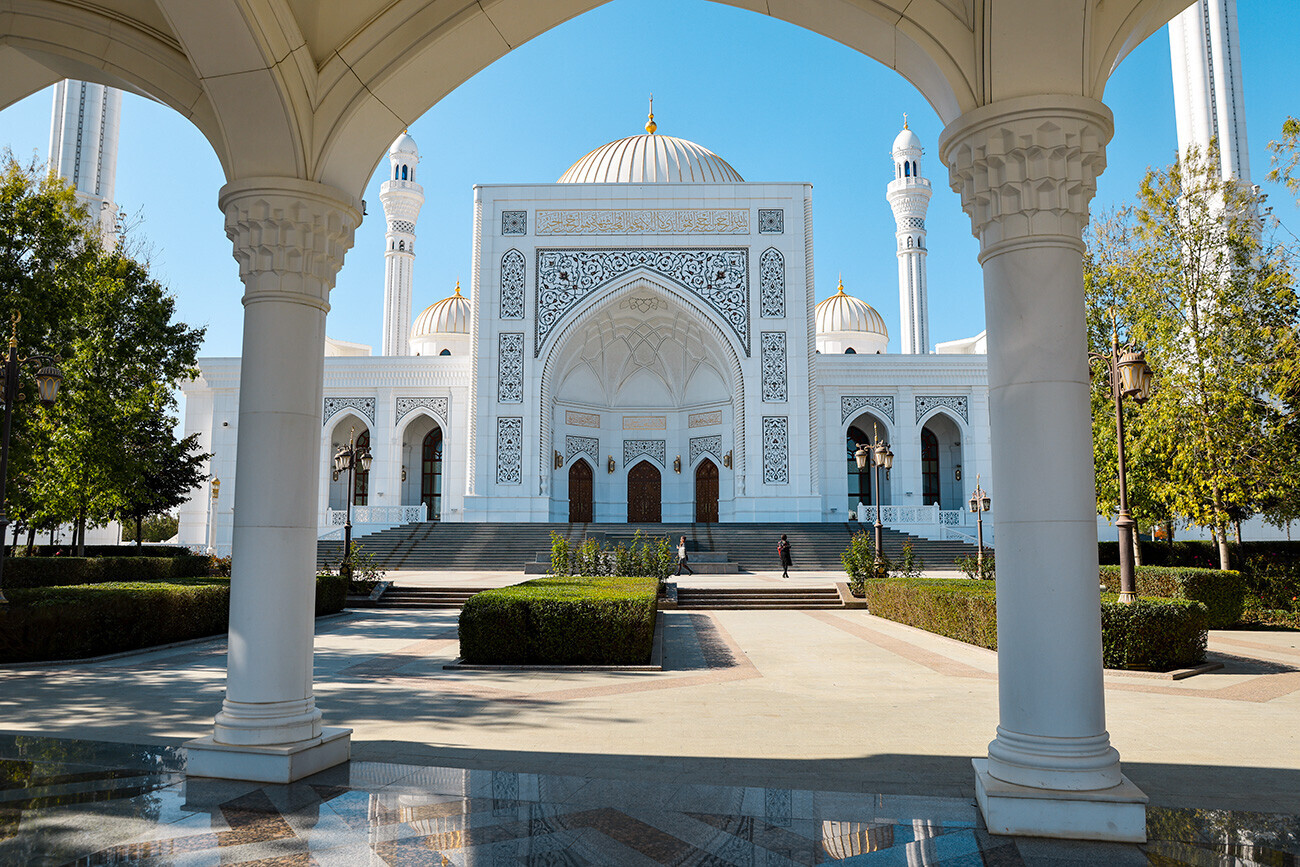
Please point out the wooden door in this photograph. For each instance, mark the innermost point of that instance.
(580, 492)
(706, 492)
(643, 494)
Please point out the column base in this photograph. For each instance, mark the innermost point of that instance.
(276, 763)
(1116, 814)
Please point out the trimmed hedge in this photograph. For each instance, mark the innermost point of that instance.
(77, 622)
(126, 550)
(67, 571)
(1222, 592)
(561, 621)
(1153, 634)
(1160, 634)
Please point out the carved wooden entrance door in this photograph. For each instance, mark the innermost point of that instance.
(643, 494)
(580, 492)
(706, 492)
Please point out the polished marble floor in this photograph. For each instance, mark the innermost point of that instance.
(79, 802)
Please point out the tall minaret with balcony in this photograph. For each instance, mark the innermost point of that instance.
(402, 198)
(909, 197)
(84, 127)
(1205, 52)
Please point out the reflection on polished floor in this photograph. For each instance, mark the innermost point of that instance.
(78, 802)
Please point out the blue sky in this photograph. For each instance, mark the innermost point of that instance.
(778, 102)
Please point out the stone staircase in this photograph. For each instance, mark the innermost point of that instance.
(426, 597)
(714, 548)
(732, 598)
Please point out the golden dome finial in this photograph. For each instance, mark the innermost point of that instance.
(841, 289)
(650, 125)
(457, 288)
(904, 120)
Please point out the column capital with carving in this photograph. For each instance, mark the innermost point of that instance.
(289, 235)
(1026, 168)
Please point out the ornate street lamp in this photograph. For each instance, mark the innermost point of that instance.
(979, 504)
(881, 457)
(1128, 375)
(861, 457)
(347, 460)
(48, 378)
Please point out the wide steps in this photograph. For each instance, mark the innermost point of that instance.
(426, 597)
(764, 598)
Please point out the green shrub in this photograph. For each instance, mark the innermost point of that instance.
(964, 610)
(561, 621)
(75, 622)
(67, 571)
(1153, 634)
(859, 561)
(1222, 592)
(104, 550)
(644, 556)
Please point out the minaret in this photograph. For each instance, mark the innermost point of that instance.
(402, 198)
(83, 147)
(909, 196)
(1206, 56)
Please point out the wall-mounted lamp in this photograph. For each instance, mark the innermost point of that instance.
(677, 464)
(726, 460)
(611, 466)
(559, 460)
(956, 473)
(403, 472)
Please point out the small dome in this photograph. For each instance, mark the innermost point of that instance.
(651, 159)
(404, 144)
(842, 312)
(907, 141)
(448, 316)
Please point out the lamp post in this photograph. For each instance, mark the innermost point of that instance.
(1128, 375)
(47, 389)
(881, 457)
(346, 460)
(861, 457)
(979, 504)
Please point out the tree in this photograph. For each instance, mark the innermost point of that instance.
(156, 472)
(1186, 275)
(1286, 156)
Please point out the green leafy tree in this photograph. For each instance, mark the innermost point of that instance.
(1285, 156)
(1184, 274)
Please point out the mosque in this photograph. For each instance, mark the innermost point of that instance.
(638, 343)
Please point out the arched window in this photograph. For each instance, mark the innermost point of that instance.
(909, 243)
(907, 170)
(915, 173)
(929, 468)
(397, 173)
(361, 493)
(401, 245)
(403, 172)
(431, 473)
(850, 351)
(445, 352)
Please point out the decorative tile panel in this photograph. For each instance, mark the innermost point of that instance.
(851, 403)
(510, 451)
(363, 405)
(645, 422)
(704, 419)
(706, 445)
(771, 221)
(514, 222)
(776, 450)
(510, 368)
(513, 277)
(774, 367)
(771, 284)
(402, 226)
(656, 221)
(581, 419)
(589, 446)
(955, 402)
(435, 405)
(718, 276)
(633, 449)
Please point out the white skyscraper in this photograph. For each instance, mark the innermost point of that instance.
(84, 127)
(402, 198)
(1206, 56)
(909, 197)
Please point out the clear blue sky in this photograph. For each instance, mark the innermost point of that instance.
(778, 102)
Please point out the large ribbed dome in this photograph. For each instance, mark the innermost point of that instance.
(842, 313)
(651, 159)
(448, 316)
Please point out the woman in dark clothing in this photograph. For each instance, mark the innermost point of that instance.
(783, 551)
(681, 558)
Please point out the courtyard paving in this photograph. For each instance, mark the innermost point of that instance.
(771, 737)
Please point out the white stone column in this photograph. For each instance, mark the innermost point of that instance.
(1026, 170)
(290, 237)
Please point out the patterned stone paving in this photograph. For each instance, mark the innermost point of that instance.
(76, 802)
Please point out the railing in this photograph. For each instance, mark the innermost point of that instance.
(890, 515)
(950, 533)
(379, 515)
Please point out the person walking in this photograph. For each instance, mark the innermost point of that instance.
(783, 551)
(681, 558)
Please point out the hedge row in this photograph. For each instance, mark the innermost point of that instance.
(67, 571)
(561, 621)
(91, 620)
(1222, 592)
(1159, 634)
(129, 550)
